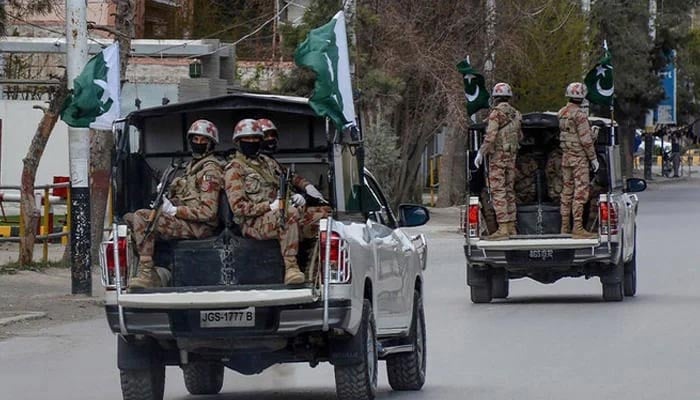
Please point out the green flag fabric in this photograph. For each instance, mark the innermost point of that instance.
(325, 51)
(599, 82)
(94, 101)
(474, 88)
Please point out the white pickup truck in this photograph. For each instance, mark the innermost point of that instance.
(223, 303)
(539, 251)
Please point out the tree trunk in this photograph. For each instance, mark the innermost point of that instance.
(102, 142)
(29, 214)
(626, 140)
(452, 175)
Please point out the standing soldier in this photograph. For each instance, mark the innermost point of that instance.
(576, 141)
(189, 210)
(501, 144)
(252, 185)
(310, 215)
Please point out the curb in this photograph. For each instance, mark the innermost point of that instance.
(25, 316)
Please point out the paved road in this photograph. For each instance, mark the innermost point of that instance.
(545, 342)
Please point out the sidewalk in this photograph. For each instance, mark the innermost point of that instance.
(33, 299)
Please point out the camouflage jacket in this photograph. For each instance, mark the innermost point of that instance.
(251, 185)
(298, 181)
(503, 131)
(576, 138)
(196, 192)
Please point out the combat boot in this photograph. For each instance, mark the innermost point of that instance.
(147, 276)
(512, 231)
(500, 234)
(580, 233)
(292, 274)
(565, 226)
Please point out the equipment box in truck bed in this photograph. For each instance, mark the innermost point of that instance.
(539, 251)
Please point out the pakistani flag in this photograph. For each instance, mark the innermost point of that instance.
(599, 81)
(325, 51)
(94, 101)
(474, 88)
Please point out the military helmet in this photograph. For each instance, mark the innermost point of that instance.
(206, 128)
(266, 125)
(502, 89)
(247, 128)
(576, 90)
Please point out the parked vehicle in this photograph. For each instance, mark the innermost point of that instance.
(539, 251)
(224, 303)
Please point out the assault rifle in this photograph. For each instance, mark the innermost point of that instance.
(284, 192)
(165, 180)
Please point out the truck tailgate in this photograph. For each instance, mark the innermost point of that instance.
(217, 299)
(535, 244)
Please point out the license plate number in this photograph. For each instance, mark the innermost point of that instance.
(541, 254)
(227, 318)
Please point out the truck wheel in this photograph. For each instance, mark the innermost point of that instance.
(143, 384)
(614, 291)
(631, 274)
(481, 294)
(203, 377)
(359, 381)
(499, 284)
(406, 371)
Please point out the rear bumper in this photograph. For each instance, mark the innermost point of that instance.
(277, 321)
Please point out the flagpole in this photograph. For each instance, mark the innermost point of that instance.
(78, 154)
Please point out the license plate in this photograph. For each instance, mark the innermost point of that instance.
(541, 254)
(244, 317)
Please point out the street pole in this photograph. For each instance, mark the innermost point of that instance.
(78, 154)
(490, 64)
(649, 120)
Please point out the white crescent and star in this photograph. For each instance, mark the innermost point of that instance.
(471, 96)
(601, 70)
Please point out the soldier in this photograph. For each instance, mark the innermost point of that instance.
(189, 210)
(525, 179)
(252, 185)
(553, 172)
(310, 215)
(576, 142)
(501, 143)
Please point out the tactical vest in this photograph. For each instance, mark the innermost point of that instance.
(260, 181)
(569, 139)
(507, 139)
(187, 189)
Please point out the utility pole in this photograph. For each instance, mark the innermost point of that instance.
(490, 63)
(649, 120)
(78, 154)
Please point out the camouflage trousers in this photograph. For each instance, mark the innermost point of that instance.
(310, 217)
(166, 227)
(501, 182)
(575, 187)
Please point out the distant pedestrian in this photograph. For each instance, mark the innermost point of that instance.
(676, 153)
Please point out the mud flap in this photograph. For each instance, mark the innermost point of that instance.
(343, 349)
(477, 277)
(133, 354)
(615, 274)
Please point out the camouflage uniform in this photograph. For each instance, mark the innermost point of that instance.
(196, 195)
(578, 152)
(501, 144)
(525, 179)
(553, 172)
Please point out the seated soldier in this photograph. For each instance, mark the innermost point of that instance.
(252, 186)
(525, 179)
(553, 173)
(189, 211)
(310, 215)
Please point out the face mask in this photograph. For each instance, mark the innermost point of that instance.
(249, 149)
(269, 146)
(199, 149)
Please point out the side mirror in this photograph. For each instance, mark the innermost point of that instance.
(635, 185)
(413, 215)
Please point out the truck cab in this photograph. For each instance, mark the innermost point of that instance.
(539, 251)
(223, 303)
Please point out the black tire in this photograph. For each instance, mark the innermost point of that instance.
(481, 294)
(406, 371)
(499, 284)
(203, 377)
(359, 381)
(143, 384)
(631, 272)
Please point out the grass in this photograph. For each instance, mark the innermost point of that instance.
(13, 267)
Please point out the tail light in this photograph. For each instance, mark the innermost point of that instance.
(473, 221)
(608, 218)
(339, 261)
(108, 262)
